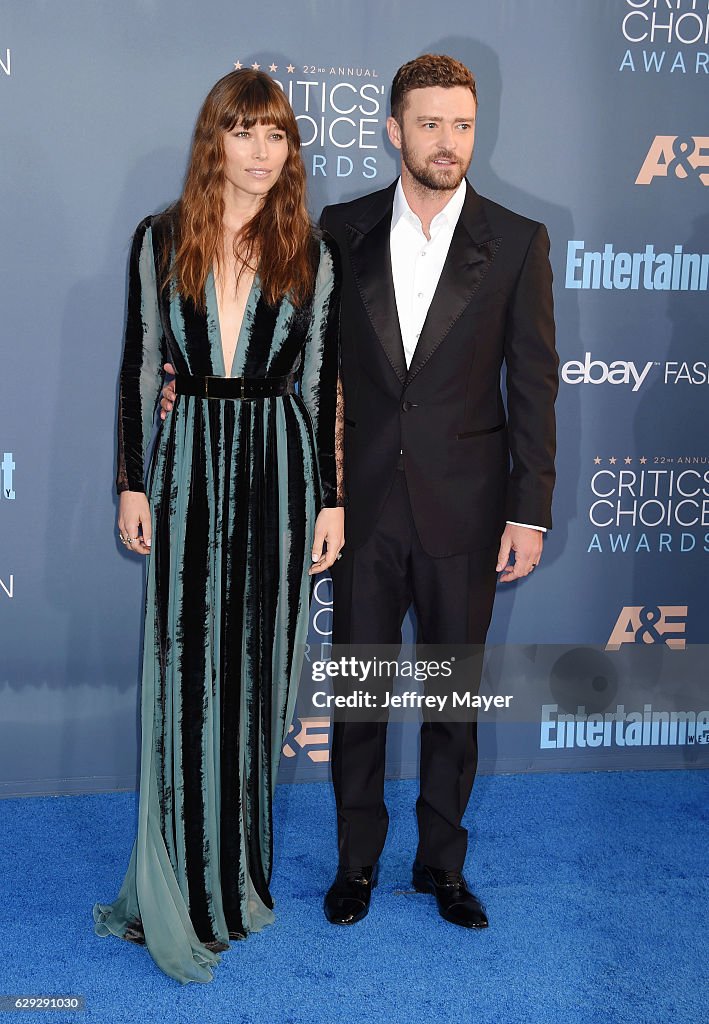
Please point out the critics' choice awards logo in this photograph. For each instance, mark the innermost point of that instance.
(665, 36)
(644, 270)
(309, 736)
(674, 157)
(651, 503)
(340, 113)
(652, 624)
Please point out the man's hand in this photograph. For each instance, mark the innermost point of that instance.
(330, 530)
(527, 546)
(168, 392)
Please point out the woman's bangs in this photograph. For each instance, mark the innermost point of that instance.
(256, 104)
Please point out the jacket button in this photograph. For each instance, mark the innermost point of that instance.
(405, 406)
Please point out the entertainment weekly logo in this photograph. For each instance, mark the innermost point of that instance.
(7, 587)
(621, 728)
(665, 37)
(646, 269)
(340, 110)
(676, 158)
(657, 503)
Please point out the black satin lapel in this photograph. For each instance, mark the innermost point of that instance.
(465, 268)
(371, 263)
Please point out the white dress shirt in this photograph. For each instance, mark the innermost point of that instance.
(417, 263)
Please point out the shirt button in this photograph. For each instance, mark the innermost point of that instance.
(420, 295)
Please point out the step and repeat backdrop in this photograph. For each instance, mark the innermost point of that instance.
(593, 118)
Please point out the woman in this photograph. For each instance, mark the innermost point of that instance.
(232, 287)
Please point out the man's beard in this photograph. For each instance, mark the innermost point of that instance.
(437, 179)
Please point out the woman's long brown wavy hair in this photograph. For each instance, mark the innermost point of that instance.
(277, 241)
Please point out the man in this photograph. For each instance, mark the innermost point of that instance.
(441, 288)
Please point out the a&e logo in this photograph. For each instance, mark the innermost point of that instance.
(676, 156)
(658, 624)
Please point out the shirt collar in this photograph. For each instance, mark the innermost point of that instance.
(450, 213)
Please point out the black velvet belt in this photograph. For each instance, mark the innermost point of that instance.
(246, 389)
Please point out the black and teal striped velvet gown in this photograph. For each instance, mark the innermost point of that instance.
(234, 488)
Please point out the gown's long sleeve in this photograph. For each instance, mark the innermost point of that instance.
(319, 382)
(141, 368)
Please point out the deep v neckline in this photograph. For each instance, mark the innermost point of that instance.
(217, 319)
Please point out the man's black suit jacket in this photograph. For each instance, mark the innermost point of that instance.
(470, 466)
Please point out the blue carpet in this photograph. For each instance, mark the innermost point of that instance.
(595, 884)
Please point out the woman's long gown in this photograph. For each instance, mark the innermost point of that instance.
(234, 489)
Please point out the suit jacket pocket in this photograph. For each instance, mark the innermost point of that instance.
(481, 433)
(349, 422)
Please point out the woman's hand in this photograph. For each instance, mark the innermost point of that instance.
(330, 531)
(168, 392)
(134, 528)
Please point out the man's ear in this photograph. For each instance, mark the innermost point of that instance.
(394, 132)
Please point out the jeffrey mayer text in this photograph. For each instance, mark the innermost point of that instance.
(409, 699)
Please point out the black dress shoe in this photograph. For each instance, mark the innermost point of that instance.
(455, 901)
(347, 899)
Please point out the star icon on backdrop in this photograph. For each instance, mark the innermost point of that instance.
(627, 460)
(612, 460)
(273, 67)
(255, 66)
(597, 461)
(290, 68)
(643, 460)
(238, 66)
